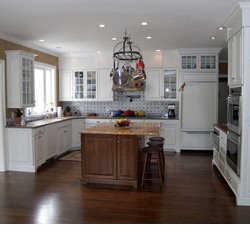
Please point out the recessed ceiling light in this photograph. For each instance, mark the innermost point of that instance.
(98, 52)
(158, 50)
(144, 23)
(114, 38)
(213, 37)
(41, 40)
(221, 28)
(149, 37)
(102, 25)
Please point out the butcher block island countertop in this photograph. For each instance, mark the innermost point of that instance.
(113, 155)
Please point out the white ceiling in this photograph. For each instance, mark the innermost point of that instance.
(72, 25)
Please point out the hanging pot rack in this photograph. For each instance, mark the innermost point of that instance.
(127, 50)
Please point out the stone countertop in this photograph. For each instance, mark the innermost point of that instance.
(40, 123)
(221, 126)
(147, 129)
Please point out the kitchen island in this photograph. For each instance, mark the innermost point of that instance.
(110, 154)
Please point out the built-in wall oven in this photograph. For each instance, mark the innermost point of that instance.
(234, 110)
(234, 129)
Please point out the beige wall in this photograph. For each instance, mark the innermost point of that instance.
(41, 57)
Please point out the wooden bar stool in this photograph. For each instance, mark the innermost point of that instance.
(149, 151)
(159, 144)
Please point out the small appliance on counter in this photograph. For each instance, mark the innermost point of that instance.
(171, 110)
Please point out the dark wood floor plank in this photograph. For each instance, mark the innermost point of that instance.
(193, 192)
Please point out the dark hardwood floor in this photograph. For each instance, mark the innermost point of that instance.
(193, 192)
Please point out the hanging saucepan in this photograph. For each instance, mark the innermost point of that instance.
(139, 78)
(121, 77)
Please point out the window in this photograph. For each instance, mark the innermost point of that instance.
(45, 88)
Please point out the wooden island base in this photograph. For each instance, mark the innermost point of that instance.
(111, 156)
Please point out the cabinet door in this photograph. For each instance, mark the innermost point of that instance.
(20, 79)
(77, 126)
(169, 87)
(198, 104)
(104, 89)
(170, 135)
(65, 86)
(50, 140)
(28, 90)
(189, 62)
(153, 83)
(91, 85)
(126, 157)
(39, 149)
(208, 62)
(99, 156)
(79, 86)
(238, 58)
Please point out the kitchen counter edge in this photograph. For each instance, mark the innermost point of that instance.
(49, 121)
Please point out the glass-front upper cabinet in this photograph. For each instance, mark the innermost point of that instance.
(79, 84)
(84, 85)
(20, 79)
(189, 62)
(170, 83)
(28, 82)
(208, 62)
(91, 84)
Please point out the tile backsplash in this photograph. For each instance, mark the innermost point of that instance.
(124, 101)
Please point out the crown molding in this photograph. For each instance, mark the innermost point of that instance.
(27, 44)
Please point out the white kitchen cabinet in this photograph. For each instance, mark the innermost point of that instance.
(64, 137)
(78, 125)
(169, 85)
(84, 85)
(104, 85)
(203, 60)
(189, 62)
(170, 130)
(171, 133)
(39, 146)
(153, 84)
(50, 140)
(65, 85)
(77, 85)
(20, 79)
(198, 106)
(235, 60)
(24, 149)
(229, 175)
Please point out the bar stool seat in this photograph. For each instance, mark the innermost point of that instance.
(149, 150)
(156, 138)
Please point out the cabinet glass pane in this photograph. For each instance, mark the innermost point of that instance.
(91, 84)
(208, 62)
(188, 62)
(79, 84)
(170, 83)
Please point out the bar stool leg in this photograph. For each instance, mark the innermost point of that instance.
(145, 164)
(159, 165)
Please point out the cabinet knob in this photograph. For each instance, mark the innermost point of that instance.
(118, 141)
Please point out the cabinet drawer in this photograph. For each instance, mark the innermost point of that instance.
(222, 150)
(223, 138)
(38, 131)
(232, 180)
